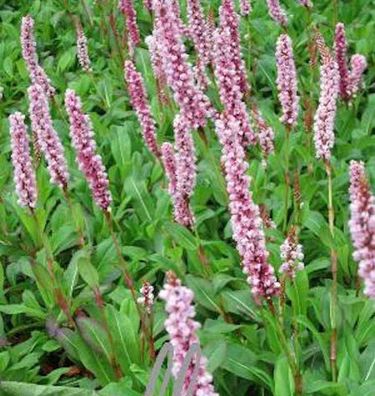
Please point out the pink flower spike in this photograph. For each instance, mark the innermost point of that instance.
(24, 174)
(341, 58)
(291, 253)
(358, 65)
(157, 68)
(324, 120)
(245, 7)
(265, 135)
(138, 97)
(47, 138)
(276, 12)
(36, 72)
(245, 217)
(182, 330)
(185, 171)
(306, 3)
(82, 50)
(229, 82)
(89, 162)
(200, 34)
(147, 299)
(287, 80)
(229, 21)
(180, 77)
(362, 225)
(148, 4)
(169, 162)
(128, 10)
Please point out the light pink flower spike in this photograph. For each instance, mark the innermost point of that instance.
(36, 72)
(180, 77)
(341, 58)
(324, 120)
(82, 50)
(358, 65)
(47, 138)
(306, 3)
(147, 299)
(362, 225)
(266, 135)
(276, 12)
(291, 253)
(245, 217)
(287, 80)
(157, 68)
(128, 10)
(90, 163)
(182, 329)
(141, 106)
(245, 7)
(229, 21)
(24, 174)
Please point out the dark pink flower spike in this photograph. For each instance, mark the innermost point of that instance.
(169, 162)
(200, 34)
(148, 4)
(138, 97)
(245, 217)
(47, 138)
(362, 225)
(90, 163)
(341, 59)
(36, 72)
(185, 171)
(130, 15)
(24, 174)
(182, 330)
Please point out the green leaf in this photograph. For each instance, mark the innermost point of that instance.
(14, 388)
(86, 270)
(125, 338)
(16, 309)
(204, 293)
(181, 235)
(284, 384)
(242, 362)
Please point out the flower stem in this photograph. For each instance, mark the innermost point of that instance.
(81, 236)
(331, 220)
(287, 179)
(292, 360)
(60, 298)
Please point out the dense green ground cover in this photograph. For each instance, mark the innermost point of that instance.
(240, 339)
